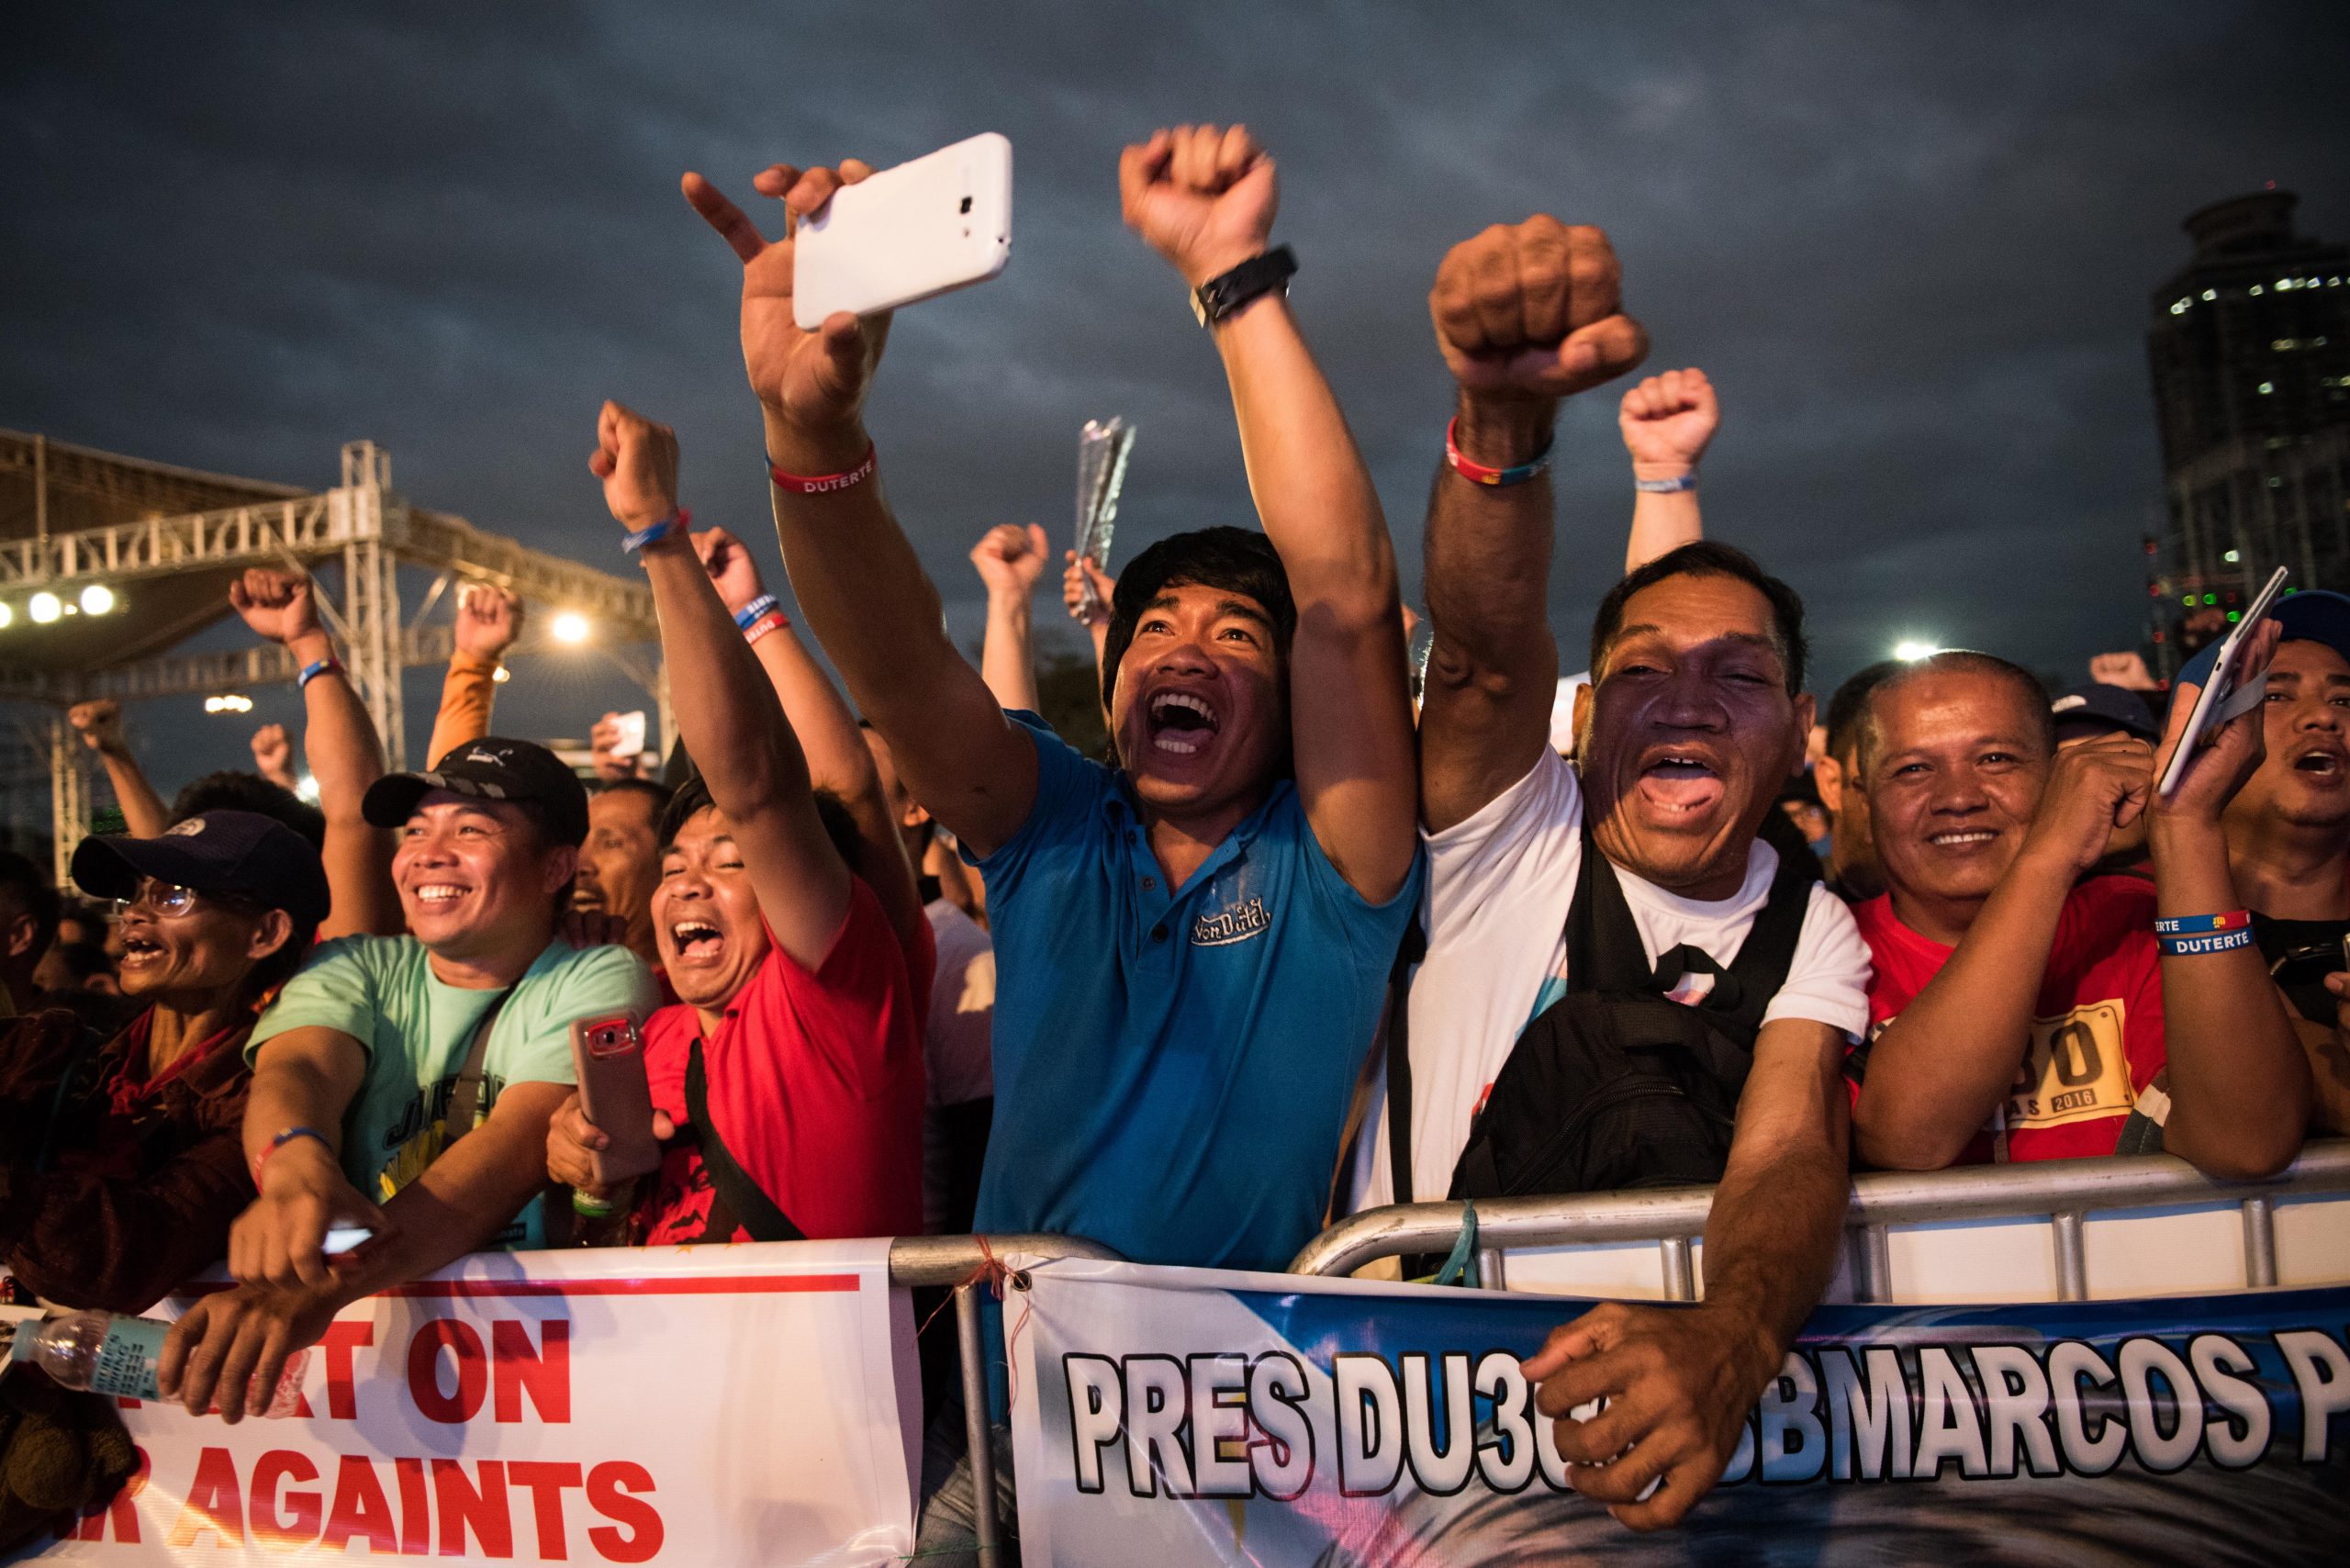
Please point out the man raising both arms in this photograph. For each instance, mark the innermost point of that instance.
(1191, 944)
(1684, 738)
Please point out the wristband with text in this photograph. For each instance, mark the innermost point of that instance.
(676, 521)
(821, 483)
(773, 620)
(318, 668)
(2204, 942)
(282, 1139)
(2196, 924)
(1673, 486)
(753, 611)
(1478, 473)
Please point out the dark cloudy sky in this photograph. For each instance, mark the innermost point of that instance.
(1912, 245)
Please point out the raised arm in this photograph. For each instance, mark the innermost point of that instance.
(728, 714)
(1940, 1069)
(340, 741)
(273, 756)
(1204, 198)
(1666, 421)
(2240, 1084)
(1525, 315)
(488, 620)
(1009, 559)
(839, 759)
(859, 585)
(99, 723)
(1077, 576)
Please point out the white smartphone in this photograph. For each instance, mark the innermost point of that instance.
(939, 223)
(629, 744)
(2218, 702)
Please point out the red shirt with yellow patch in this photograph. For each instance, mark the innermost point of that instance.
(2097, 1029)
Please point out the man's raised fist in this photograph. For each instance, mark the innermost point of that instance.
(1009, 558)
(276, 605)
(1533, 311)
(731, 570)
(99, 723)
(637, 460)
(813, 381)
(1667, 422)
(1202, 195)
(489, 618)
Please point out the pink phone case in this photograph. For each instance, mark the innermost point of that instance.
(607, 1054)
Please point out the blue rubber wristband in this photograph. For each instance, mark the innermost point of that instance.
(2196, 924)
(654, 534)
(2206, 942)
(1666, 486)
(312, 671)
(753, 611)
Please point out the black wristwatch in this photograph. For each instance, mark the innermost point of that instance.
(1227, 292)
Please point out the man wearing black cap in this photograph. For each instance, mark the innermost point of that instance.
(2289, 835)
(121, 1167)
(417, 1073)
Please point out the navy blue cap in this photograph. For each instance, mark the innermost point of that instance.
(2313, 615)
(2116, 707)
(491, 768)
(243, 853)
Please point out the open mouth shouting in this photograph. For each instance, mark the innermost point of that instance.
(141, 952)
(1182, 723)
(1680, 782)
(2322, 763)
(696, 941)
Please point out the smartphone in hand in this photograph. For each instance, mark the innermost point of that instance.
(939, 223)
(607, 1055)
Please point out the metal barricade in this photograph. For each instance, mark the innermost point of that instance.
(2063, 1191)
(958, 1261)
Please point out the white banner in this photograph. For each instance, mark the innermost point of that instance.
(713, 1406)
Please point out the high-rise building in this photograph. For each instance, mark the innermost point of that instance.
(2250, 346)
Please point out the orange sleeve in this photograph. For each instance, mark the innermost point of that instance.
(465, 694)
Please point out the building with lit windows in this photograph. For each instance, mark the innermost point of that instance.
(2250, 348)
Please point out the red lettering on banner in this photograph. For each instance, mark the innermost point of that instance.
(424, 1371)
(609, 1486)
(341, 1339)
(271, 1528)
(92, 1525)
(361, 1509)
(416, 1514)
(460, 1506)
(543, 1370)
(546, 1481)
(214, 1502)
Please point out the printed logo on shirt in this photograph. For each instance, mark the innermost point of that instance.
(1238, 922)
(2076, 1070)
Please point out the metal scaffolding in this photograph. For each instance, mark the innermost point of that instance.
(186, 558)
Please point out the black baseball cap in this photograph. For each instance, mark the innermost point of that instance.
(2115, 707)
(243, 853)
(491, 768)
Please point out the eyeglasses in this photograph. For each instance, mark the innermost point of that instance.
(171, 901)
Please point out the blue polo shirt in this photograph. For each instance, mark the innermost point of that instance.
(1173, 1065)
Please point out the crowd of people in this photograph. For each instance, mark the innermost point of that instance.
(1323, 930)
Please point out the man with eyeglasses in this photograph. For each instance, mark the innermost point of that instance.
(120, 1164)
(415, 1072)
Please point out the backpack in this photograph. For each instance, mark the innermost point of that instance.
(1615, 1085)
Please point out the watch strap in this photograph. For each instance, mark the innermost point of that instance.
(1229, 291)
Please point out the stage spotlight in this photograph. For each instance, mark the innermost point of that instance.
(97, 600)
(1909, 650)
(570, 627)
(45, 607)
(6, 615)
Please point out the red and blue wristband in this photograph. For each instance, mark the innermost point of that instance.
(1478, 473)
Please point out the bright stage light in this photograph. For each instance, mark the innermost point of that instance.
(6, 615)
(228, 702)
(1909, 650)
(46, 607)
(307, 788)
(570, 627)
(97, 600)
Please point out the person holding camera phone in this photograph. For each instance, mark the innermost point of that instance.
(787, 1085)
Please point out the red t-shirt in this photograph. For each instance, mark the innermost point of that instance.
(815, 1080)
(2097, 1029)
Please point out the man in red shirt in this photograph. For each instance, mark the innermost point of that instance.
(2018, 1013)
(788, 1080)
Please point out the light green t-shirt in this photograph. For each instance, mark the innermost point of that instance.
(415, 1031)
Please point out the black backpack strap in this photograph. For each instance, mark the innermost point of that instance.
(1408, 953)
(746, 1199)
(465, 1101)
(1604, 947)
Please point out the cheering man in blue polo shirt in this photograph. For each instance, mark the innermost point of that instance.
(1191, 945)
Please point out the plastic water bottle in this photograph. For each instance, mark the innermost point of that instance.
(100, 1352)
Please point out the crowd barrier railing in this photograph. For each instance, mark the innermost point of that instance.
(963, 1263)
(2065, 1192)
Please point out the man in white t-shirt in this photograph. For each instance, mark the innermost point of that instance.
(1693, 723)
